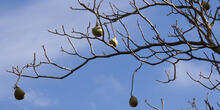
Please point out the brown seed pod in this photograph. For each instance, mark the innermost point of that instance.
(19, 93)
(97, 31)
(205, 5)
(133, 101)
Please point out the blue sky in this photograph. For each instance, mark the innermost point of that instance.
(103, 84)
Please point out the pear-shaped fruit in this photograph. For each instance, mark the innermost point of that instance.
(205, 5)
(133, 101)
(113, 42)
(97, 31)
(19, 93)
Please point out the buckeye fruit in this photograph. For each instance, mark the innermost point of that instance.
(19, 93)
(113, 42)
(133, 101)
(97, 31)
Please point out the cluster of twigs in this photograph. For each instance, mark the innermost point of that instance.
(193, 104)
(204, 47)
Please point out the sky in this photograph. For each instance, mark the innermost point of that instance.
(103, 84)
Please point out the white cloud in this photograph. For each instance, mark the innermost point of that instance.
(182, 79)
(106, 83)
(6, 86)
(108, 80)
(38, 98)
(24, 30)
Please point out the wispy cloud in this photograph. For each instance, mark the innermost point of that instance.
(108, 80)
(38, 98)
(193, 68)
(24, 30)
(6, 86)
(22, 33)
(106, 83)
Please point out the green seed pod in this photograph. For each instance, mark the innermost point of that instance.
(205, 5)
(19, 93)
(133, 101)
(97, 31)
(114, 42)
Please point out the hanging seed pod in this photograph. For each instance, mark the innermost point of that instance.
(205, 5)
(133, 101)
(97, 31)
(19, 93)
(114, 42)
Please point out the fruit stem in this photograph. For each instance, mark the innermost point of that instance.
(132, 85)
(19, 77)
(97, 22)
